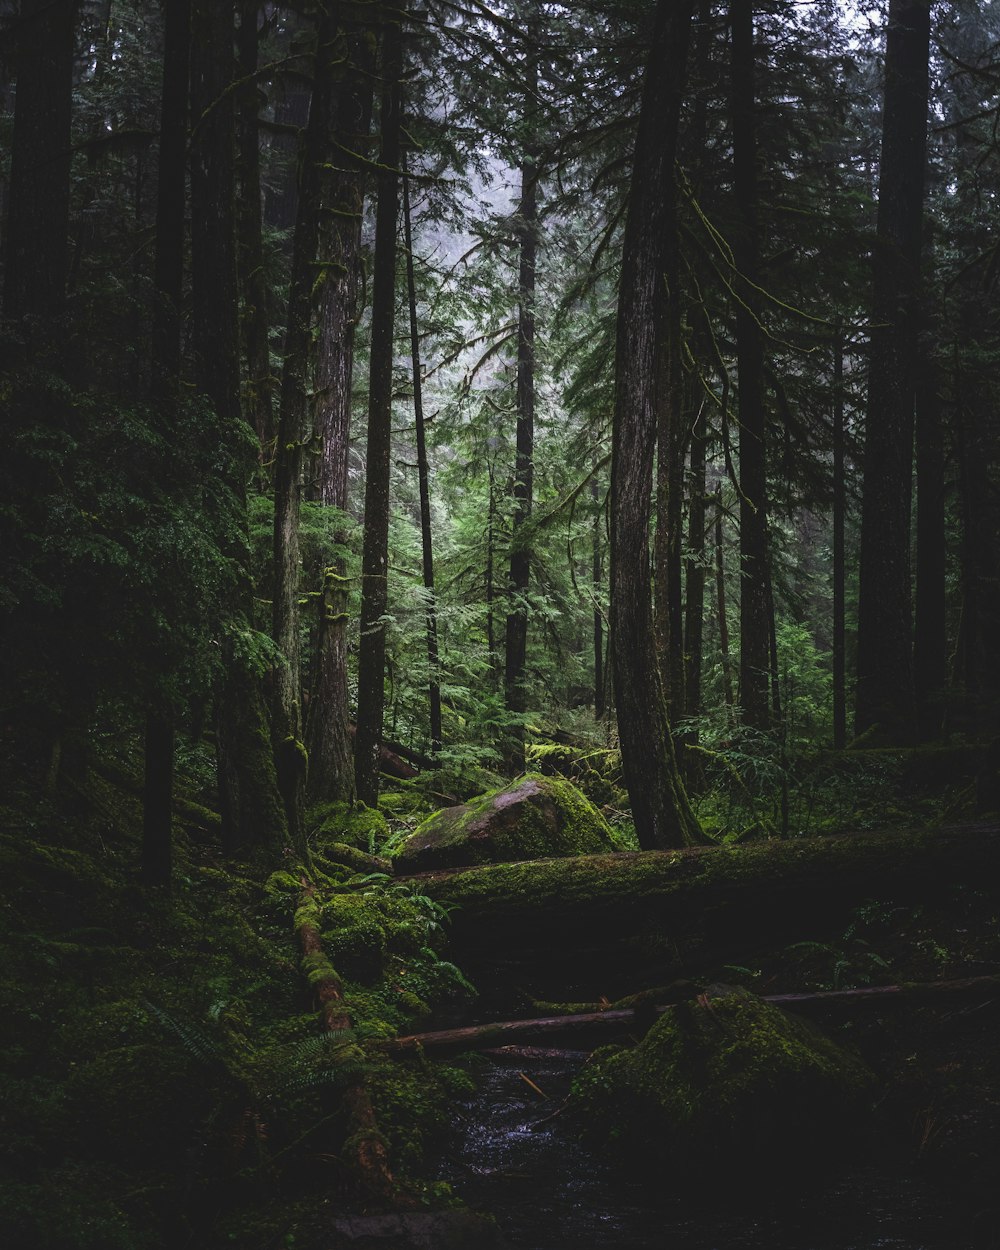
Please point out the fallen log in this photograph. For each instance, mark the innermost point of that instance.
(365, 1147)
(511, 1036)
(679, 912)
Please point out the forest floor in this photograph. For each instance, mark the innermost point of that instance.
(164, 1081)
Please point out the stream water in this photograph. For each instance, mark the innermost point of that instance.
(548, 1193)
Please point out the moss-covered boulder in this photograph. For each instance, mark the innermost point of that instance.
(364, 828)
(726, 1082)
(536, 818)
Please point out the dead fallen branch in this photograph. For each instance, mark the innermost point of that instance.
(511, 1037)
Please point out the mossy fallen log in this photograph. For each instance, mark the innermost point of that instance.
(675, 912)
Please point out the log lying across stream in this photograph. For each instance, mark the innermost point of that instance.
(596, 1027)
(571, 920)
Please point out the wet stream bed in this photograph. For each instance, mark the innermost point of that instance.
(518, 1159)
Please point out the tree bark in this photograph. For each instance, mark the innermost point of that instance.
(885, 669)
(597, 574)
(930, 633)
(839, 561)
(255, 322)
(295, 434)
(516, 634)
(662, 814)
(754, 614)
(694, 617)
(687, 910)
(375, 554)
(168, 280)
(252, 813)
(331, 750)
(426, 538)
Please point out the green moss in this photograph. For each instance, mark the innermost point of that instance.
(364, 828)
(725, 1080)
(535, 818)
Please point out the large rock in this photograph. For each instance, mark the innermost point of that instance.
(537, 818)
(726, 1085)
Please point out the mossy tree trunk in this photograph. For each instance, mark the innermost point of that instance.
(295, 435)
(662, 814)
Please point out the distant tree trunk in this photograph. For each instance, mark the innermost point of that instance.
(930, 631)
(168, 280)
(295, 435)
(885, 669)
(754, 615)
(839, 563)
(253, 279)
(597, 570)
(375, 553)
(37, 225)
(720, 603)
(281, 200)
(694, 617)
(670, 451)
(516, 639)
(490, 589)
(662, 814)
(434, 685)
(252, 812)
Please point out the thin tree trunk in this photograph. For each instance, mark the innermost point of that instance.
(695, 573)
(253, 279)
(427, 550)
(930, 632)
(168, 280)
(37, 225)
(516, 637)
(662, 814)
(885, 669)
(375, 554)
(720, 603)
(597, 570)
(839, 563)
(754, 665)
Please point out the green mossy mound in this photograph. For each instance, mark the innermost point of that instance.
(725, 1082)
(536, 818)
(363, 828)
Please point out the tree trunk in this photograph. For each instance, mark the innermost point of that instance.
(720, 604)
(660, 808)
(839, 562)
(675, 913)
(168, 280)
(375, 554)
(331, 749)
(885, 669)
(294, 437)
(930, 640)
(253, 279)
(695, 572)
(252, 812)
(754, 663)
(427, 550)
(597, 572)
(516, 637)
(37, 225)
